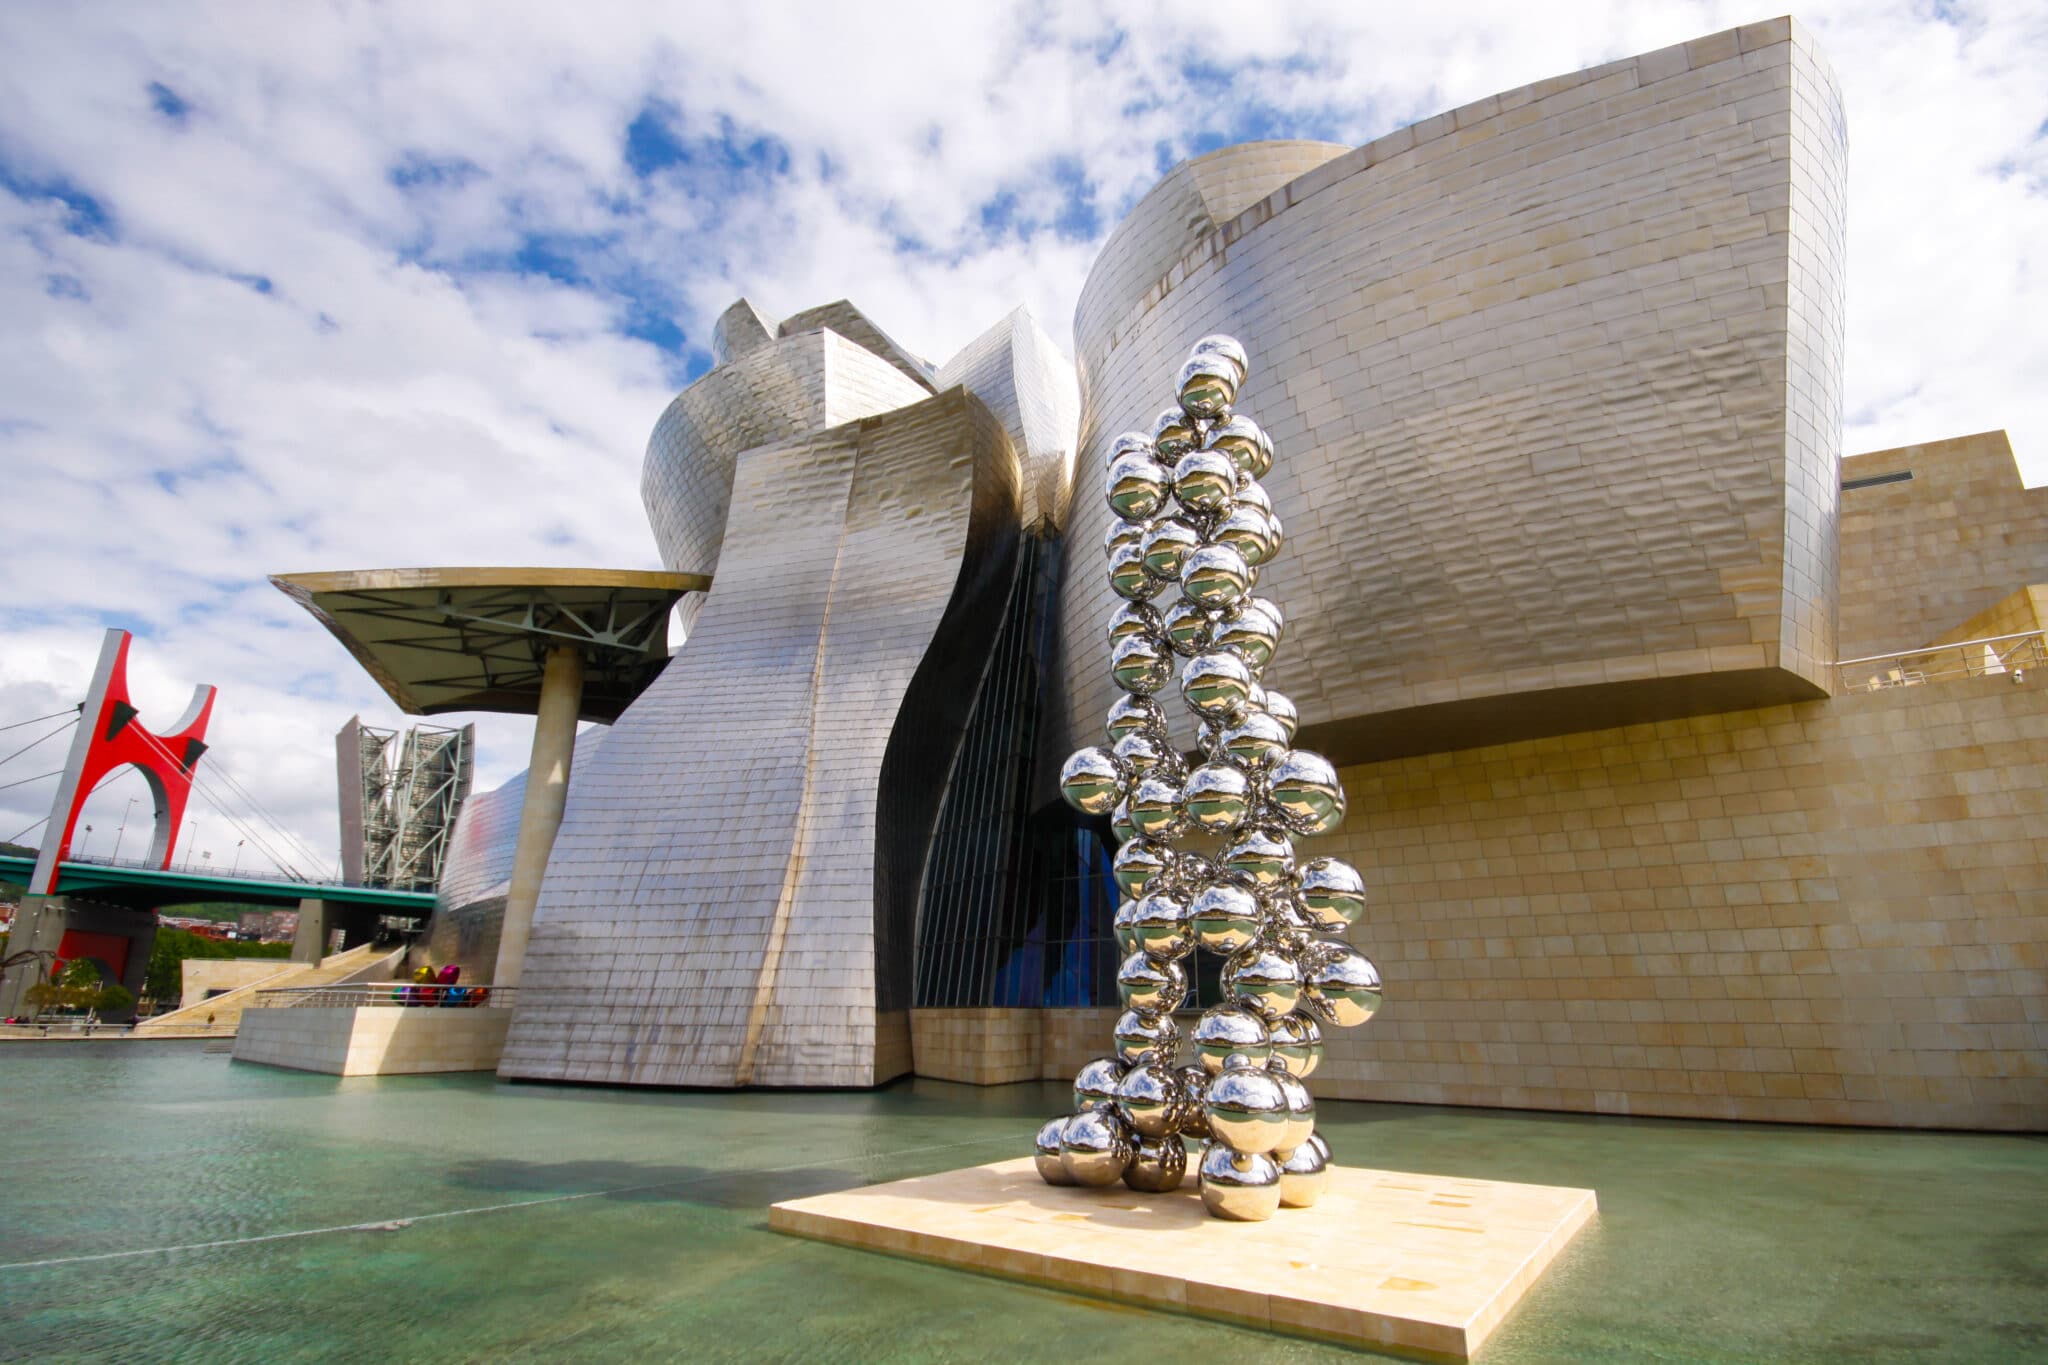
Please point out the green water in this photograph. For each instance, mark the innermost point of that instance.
(1713, 1242)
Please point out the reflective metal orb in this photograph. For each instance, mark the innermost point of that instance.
(1142, 1031)
(1247, 633)
(1095, 1083)
(1208, 385)
(1095, 1148)
(1301, 1109)
(1217, 796)
(1193, 872)
(1343, 986)
(1265, 464)
(1303, 787)
(1158, 1165)
(1162, 927)
(1256, 742)
(1157, 809)
(1140, 664)
(1136, 486)
(1215, 576)
(1126, 932)
(1297, 1045)
(1250, 532)
(1122, 533)
(1127, 576)
(1045, 1153)
(1227, 348)
(1204, 481)
(1227, 917)
(1187, 628)
(1148, 983)
(1332, 892)
(1174, 434)
(1227, 1031)
(1120, 825)
(1237, 438)
(1215, 684)
(1304, 1173)
(1261, 858)
(1316, 1141)
(1136, 618)
(1150, 1099)
(1246, 1107)
(1130, 443)
(1280, 708)
(1137, 863)
(1263, 980)
(1142, 752)
(1194, 1081)
(1092, 781)
(1134, 713)
(1166, 545)
(1243, 1187)
(1253, 494)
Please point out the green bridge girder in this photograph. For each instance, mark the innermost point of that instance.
(149, 887)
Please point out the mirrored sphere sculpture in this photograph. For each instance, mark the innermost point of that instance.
(1192, 529)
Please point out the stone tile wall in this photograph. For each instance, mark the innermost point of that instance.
(374, 1040)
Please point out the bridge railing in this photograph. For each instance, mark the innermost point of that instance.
(397, 994)
(1993, 656)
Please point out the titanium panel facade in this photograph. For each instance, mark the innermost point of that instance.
(1017, 370)
(1574, 350)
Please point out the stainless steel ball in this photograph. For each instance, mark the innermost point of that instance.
(1303, 787)
(1127, 576)
(1120, 826)
(1158, 1165)
(1217, 796)
(1301, 1109)
(1207, 385)
(1095, 1083)
(1256, 742)
(1151, 1100)
(1136, 486)
(1166, 546)
(1045, 1153)
(1263, 979)
(1227, 1031)
(1142, 752)
(1136, 618)
(1238, 438)
(1316, 1141)
(1304, 1174)
(1260, 858)
(1093, 781)
(1246, 1106)
(1193, 872)
(1343, 986)
(1215, 684)
(1215, 576)
(1141, 1031)
(1250, 532)
(1122, 927)
(1243, 1187)
(1140, 664)
(1149, 983)
(1227, 348)
(1194, 1081)
(1121, 533)
(1332, 892)
(1227, 917)
(1204, 482)
(1158, 807)
(1297, 1045)
(1247, 632)
(1095, 1148)
(1281, 708)
(1131, 713)
(1173, 435)
(1131, 442)
(1188, 628)
(1163, 927)
(1137, 863)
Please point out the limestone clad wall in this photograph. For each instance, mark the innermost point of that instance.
(1831, 912)
(1922, 555)
(1547, 451)
(373, 1040)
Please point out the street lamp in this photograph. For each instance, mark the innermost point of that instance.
(191, 839)
(238, 857)
(86, 842)
(123, 829)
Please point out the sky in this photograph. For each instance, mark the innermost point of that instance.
(331, 286)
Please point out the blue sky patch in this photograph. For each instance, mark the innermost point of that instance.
(169, 102)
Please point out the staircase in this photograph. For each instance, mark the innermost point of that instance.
(365, 963)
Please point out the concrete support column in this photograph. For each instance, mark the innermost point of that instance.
(547, 792)
(38, 923)
(310, 943)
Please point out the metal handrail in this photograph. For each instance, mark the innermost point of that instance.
(393, 993)
(1992, 656)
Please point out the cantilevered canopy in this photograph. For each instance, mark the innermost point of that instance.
(474, 639)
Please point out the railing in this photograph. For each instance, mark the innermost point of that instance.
(393, 993)
(1995, 656)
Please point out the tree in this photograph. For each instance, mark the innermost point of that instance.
(165, 979)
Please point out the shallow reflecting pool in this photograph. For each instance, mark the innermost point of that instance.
(527, 1222)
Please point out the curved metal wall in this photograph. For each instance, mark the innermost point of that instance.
(1555, 385)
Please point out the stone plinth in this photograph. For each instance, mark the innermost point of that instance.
(376, 1040)
(1424, 1265)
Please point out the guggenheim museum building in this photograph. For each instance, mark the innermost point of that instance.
(1694, 768)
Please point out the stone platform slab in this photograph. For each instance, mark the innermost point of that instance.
(1420, 1264)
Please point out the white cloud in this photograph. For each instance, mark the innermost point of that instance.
(308, 342)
